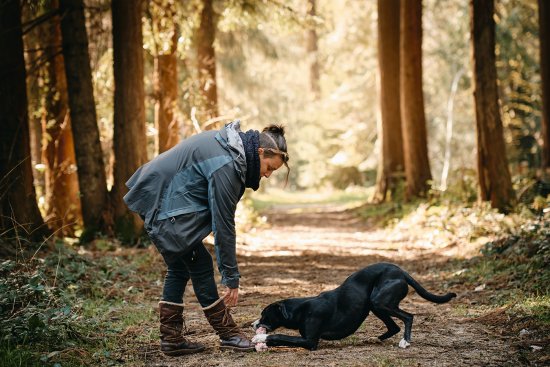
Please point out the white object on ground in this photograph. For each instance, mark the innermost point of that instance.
(261, 347)
(403, 343)
(259, 339)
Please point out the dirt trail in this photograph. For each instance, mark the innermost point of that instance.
(307, 250)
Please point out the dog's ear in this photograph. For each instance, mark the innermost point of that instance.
(284, 311)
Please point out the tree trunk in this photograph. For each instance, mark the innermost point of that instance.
(417, 165)
(20, 215)
(61, 181)
(544, 33)
(206, 57)
(314, 73)
(166, 91)
(494, 177)
(31, 42)
(89, 159)
(449, 130)
(129, 138)
(392, 165)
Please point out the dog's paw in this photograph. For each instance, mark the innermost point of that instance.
(261, 347)
(259, 338)
(374, 340)
(404, 344)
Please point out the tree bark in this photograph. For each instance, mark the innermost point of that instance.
(417, 166)
(20, 215)
(61, 181)
(31, 42)
(166, 91)
(206, 57)
(129, 138)
(392, 162)
(89, 159)
(544, 33)
(495, 184)
(312, 50)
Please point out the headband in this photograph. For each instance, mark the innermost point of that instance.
(276, 150)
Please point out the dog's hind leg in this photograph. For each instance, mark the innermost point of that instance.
(407, 319)
(390, 324)
(385, 300)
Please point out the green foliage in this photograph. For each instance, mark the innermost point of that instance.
(386, 213)
(537, 307)
(59, 309)
(32, 310)
(516, 269)
(533, 194)
(523, 258)
(517, 50)
(462, 190)
(12, 356)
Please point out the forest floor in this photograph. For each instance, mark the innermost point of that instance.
(307, 249)
(65, 304)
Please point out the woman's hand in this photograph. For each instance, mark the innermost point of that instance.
(231, 297)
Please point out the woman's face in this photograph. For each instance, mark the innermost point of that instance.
(269, 164)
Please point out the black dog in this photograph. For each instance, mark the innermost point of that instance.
(335, 314)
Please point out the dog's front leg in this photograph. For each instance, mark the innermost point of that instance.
(280, 340)
(310, 333)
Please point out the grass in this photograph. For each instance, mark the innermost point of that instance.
(537, 307)
(11, 356)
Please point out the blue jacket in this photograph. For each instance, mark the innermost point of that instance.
(191, 190)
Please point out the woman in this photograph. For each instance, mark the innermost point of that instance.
(184, 194)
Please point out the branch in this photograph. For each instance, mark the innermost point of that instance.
(28, 26)
(44, 60)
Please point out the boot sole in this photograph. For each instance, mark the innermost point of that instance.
(236, 349)
(181, 352)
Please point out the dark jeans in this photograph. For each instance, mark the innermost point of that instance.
(197, 266)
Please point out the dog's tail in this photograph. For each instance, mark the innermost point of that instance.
(425, 294)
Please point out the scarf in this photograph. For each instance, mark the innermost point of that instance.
(251, 143)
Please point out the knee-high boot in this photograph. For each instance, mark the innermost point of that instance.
(231, 337)
(172, 342)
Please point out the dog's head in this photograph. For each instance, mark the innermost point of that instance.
(273, 316)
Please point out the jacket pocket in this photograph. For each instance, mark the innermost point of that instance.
(179, 234)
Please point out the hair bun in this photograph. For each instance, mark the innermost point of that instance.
(275, 129)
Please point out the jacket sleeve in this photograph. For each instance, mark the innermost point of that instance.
(224, 192)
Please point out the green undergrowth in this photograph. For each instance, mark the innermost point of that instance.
(387, 213)
(71, 308)
(510, 280)
(518, 266)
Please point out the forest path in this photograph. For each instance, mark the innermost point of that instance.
(312, 248)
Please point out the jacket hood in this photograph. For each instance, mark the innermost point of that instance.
(229, 138)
